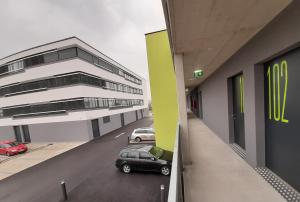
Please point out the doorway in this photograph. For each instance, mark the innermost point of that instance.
(95, 127)
(195, 102)
(122, 119)
(238, 110)
(200, 111)
(282, 98)
(136, 115)
(22, 133)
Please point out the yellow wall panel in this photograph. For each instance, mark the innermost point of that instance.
(163, 88)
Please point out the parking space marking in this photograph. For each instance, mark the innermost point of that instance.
(120, 135)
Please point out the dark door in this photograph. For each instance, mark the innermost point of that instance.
(195, 102)
(136, 115)
(18, 134)
(148, 162)
(26, 133)
(141, 113)
(282, 116)
(134, 160)
(95, 127)
(122, 119)
(200, 115)
(238, 110)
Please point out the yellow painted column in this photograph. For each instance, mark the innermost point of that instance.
(163, 88)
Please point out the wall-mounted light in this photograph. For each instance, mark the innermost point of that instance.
(198, 73)
(186, 90)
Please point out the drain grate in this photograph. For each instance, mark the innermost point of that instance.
(288, 192)
(240, 151)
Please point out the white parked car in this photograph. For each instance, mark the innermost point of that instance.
(142, 134)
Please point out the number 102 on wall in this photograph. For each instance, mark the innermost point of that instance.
(277, 76)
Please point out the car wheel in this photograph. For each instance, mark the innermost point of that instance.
(138, 139)
(8, 154)
(126, 168)
(165, 170)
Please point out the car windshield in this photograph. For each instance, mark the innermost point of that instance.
(157, 152)
(11, 144)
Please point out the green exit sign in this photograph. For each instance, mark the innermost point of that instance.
(198, 73)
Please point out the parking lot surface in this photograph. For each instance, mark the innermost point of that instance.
(37, 153)
(90, 175)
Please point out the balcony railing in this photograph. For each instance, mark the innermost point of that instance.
(176, 189)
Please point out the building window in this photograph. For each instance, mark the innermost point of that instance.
(71, 104)
(106, 119)
(51, 57)
(3, 69)
(36, 60)
(67, 53)
(16, 66)
(85, 55)
(61, 80)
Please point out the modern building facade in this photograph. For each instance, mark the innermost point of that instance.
(66, 91)
(247, 94)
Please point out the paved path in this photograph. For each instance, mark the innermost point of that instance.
(89, 172)
(219, 174)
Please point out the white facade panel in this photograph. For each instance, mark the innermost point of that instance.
(145, 112)
(70, 116)
(129, 117)
(115, 123)
(139, 113)
(60, 132)
(62, 67)
(57, 45)
(7, 133)
(65, 93)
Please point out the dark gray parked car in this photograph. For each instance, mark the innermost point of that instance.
(145, 158)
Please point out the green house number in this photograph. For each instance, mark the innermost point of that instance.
(279, 73)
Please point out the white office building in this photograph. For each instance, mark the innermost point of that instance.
(66, 91)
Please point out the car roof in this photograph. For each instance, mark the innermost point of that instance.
(145, 148)
(145, 128)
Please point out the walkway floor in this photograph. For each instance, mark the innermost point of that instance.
(218, 174)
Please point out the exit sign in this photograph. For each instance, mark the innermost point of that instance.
(198, 73)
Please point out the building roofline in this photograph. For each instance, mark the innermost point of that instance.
(156, 31)
(68, 38)
(45, 44)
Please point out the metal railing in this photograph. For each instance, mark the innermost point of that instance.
(176, 189)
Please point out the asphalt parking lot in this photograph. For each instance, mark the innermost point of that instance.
(89, 172)
(37, 153)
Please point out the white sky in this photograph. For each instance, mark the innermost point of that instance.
(114, 27)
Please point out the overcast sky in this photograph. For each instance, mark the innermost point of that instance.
(115, 27)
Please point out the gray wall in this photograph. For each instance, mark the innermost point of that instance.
(7, 133)
(60, 132)
(129, 117)
(145, 112)
(115, 123)
(70, 131)
(281, 35)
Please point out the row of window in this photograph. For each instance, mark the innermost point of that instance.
(63, 55)
(65, 80)
(69, 105)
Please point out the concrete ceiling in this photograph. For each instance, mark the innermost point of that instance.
(208, 32)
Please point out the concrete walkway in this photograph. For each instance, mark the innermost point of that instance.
(218, 174)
